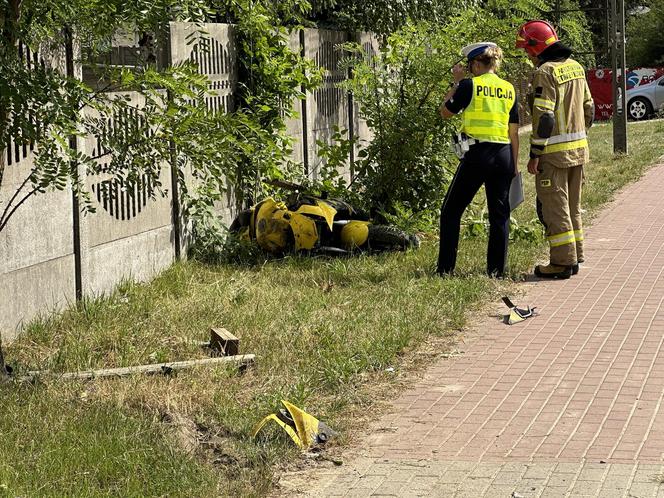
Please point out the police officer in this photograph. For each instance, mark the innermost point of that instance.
(562, 110)
(490, 138)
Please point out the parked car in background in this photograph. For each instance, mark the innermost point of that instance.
(643, 100)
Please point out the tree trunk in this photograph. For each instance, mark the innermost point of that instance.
(3, 121)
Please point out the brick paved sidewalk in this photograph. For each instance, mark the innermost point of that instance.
(568, 403)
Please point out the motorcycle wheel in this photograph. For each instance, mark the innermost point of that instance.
(390, 238)
(243, 219)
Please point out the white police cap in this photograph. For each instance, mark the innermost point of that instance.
(475, 49)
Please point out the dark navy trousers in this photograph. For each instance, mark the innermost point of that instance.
(487, 164)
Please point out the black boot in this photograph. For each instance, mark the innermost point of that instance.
(553, 271)
(575, 267)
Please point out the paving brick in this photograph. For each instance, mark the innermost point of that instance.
(554, 492)
(620, 470)
(592, 472)
(484, 470)
(539, 471)
(529, 488)
(560, 480)
(462, 466)
(644, 490)
(614, 494)
(358, 492)
(567, 468)
(585, 488)
(507, 478)
(499, 491)
(473, 488)
(389, 489)
(454, 477)
(439, 491)
(370, 481)
(424, 483)
(616, 483)
(402, 475)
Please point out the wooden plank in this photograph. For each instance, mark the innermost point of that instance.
(164, 368)
(223, 341)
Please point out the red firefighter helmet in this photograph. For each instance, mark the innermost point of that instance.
(535, 37)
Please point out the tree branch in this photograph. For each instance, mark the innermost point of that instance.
(9, 203)
(127, 146)
(95, 95)
(402, 87)
(2, 156)
(425, 96)
(5, 220)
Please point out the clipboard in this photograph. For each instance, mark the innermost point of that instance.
(516, 191)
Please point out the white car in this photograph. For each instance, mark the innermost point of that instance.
(643, 100)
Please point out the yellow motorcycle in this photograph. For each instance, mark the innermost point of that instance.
(305, 222)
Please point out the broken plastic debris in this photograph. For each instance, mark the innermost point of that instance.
(304, 429)
(517, 315)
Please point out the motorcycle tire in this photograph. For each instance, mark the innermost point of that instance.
(243, 219)
(390, 238)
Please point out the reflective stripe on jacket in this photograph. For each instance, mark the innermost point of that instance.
(487, 116)
(559, 89)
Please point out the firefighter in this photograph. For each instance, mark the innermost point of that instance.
(562, 111)
(488, 148)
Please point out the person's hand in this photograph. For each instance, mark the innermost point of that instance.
(533, 166)
(458, 72)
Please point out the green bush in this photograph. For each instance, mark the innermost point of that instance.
(408, 163)
(645, 46)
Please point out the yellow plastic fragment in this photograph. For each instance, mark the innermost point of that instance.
(306, 426)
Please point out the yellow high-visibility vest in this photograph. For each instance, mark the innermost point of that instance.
(487, 116)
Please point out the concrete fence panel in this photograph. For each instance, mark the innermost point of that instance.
(36, 251)
(36, 246)
(295, 124)
(370, 46)
(213, 48)
(130, 234)
(327, 106)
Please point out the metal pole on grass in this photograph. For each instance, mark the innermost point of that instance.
(73, 145)
(305, 125)
(619, 70)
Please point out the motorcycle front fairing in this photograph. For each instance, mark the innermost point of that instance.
(276, 228)
(271, 227)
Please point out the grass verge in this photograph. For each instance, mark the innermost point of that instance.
(324, 331)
